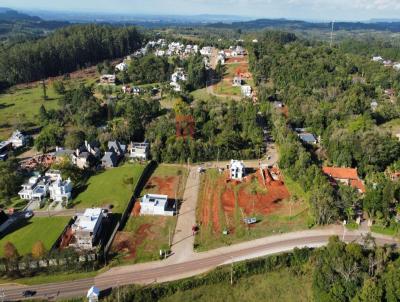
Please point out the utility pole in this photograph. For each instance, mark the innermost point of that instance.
(333, 22)
(169, 236)
(44, 89)
(118, 289)
(231, 271)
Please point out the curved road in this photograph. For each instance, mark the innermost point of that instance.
(166, 270)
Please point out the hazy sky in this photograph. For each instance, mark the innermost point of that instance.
(302, 9)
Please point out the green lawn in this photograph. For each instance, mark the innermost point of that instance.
(282, 286)
(19, 107)
(46, 229)
(111, 187)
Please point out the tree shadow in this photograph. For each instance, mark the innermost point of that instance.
(5, 105)
(14, 225)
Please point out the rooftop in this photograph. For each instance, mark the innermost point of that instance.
(341, 173)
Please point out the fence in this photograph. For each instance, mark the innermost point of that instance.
(148, 170)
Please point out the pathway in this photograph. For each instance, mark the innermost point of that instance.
(183, 239)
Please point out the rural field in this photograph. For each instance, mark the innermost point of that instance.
(19, 107)
(272, 287)
(46, 229)
(144, 236)
(113, 187)
(223, 205)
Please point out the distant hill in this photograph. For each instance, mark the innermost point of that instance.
(16, 26)
(7, 14)
(304, 25)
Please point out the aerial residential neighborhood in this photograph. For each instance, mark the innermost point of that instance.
(199, 151)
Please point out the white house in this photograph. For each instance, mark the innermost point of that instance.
(175, 86)
(121, 66)
(60, 190)
(160, 53)
(35, 189)
(107, 79)
(178, 76)
(206, 51)
(154, 204)
(237, 170)
(221, 57)
(237, 81)
(246, 90)
(17, 139)
(87, 228)
(139, 150)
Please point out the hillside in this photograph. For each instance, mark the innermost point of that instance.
(304, 25)
(16, 26)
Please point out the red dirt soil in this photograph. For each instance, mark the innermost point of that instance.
(129, 241)
(258, 203)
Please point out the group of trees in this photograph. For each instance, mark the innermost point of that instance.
(329, 91)
(221, 131)
(66, 50)
(15, 265)
(356, 273)
(10, 179)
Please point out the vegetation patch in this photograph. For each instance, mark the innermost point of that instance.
(113, 187)
(45, 229)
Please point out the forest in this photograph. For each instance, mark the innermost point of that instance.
(329, 91)
(66, 50)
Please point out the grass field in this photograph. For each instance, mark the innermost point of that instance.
(223, 206)
(19, 106)
(144, 236)
(111, 187)
(280, 286)
(46, 229)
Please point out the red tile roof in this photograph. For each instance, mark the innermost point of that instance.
(341, 173)
(345, 174)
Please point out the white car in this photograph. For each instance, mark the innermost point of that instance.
(28, 214)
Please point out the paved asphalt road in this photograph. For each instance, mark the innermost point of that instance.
(164, 271)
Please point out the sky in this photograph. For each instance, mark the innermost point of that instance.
(291, 9)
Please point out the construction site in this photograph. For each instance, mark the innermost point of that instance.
(231, 210)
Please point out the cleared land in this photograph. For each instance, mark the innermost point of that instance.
(234, 66)
(224, 204)
(46, 229)
(113, 187)
(20, 106)
(144, 236)
(271, 287)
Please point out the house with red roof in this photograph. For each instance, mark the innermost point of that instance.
(347, 176)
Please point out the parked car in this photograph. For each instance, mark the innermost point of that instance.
(28, 214)
(29, 293)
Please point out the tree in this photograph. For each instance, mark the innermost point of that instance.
(59, 87)
(371, 292)
(10, 251)
(43, 116)
(10, 178)
(74, 139)
(38, 250)
(51, 135)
